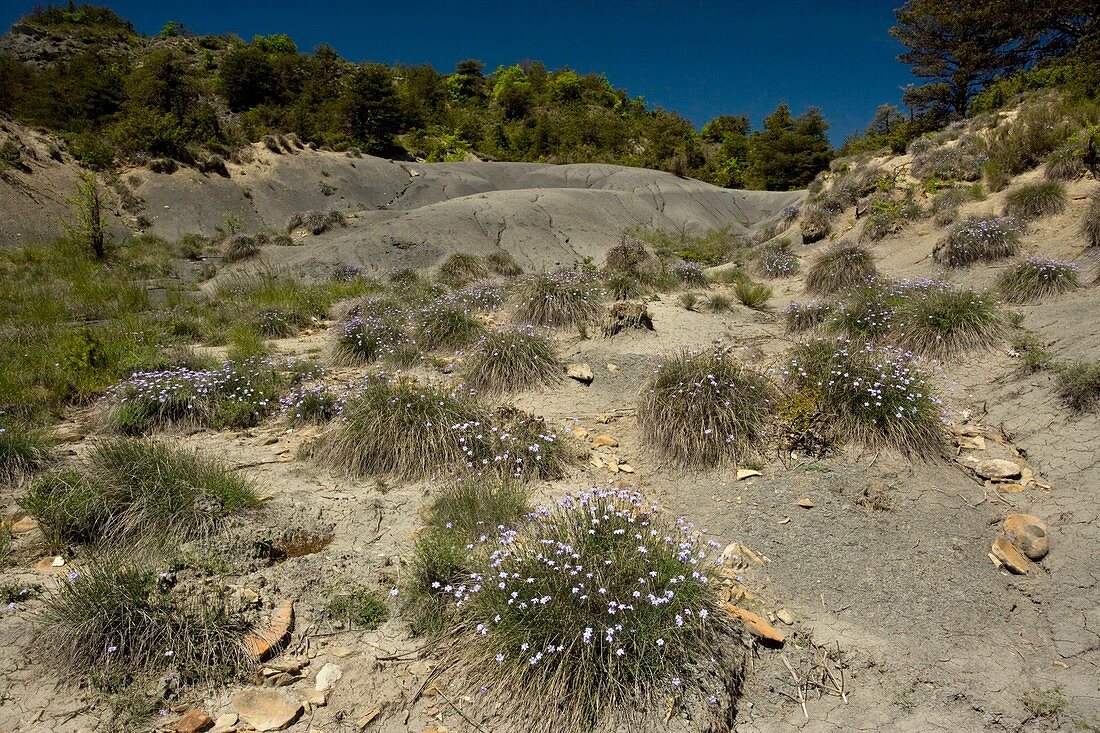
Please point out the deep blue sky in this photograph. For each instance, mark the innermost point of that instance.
(700, 58)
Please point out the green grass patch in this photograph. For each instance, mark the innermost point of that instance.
(839, 268)
(1037, 278)
(1035, 200)
(1078, 385)
(510, 360)
(360, 605)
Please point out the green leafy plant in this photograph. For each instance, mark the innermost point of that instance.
(358, 604)
(1079, 386)
(751, 294)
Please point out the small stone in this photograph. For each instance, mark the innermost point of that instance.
(613, 368)
(805, 503)
(1011, 558)
(997, 468)
(194, 721)
(785, 616)
(626, 468)
(364, 721)
(270, 440)
(785, 520)
(596, 461)
(744, 473)
(1011, 488)
(604, 419)
(971, 442)
(341, 651)
(317, 698)
(57, 562)
(327, 678)
(755, 624)
(24, 525)
(580, 372)
(226, 723)
(266, 710)
(607, 440)
(1028, 534)
(579, 432)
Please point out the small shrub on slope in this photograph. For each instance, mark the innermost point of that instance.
(800, 317)
(1037, 278)
(23, 450)
(839, 268)
(872, 395)
(705, 409)
(510, 360)
(979, 239)
(461, 269)
(1036, 200)
(555, 299)
(775, 260)
(366, 338)
(315, 222)
(447, 323)
(752, 294)
(943, 322)
(359, 604)
(1090, 225)
(591, 614)
(1079, 386)
(504, 264)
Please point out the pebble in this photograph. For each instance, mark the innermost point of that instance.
(327, 678)
(785, 616)
(580, 372)
(194, 721)
(1010, 557)
(606, 440)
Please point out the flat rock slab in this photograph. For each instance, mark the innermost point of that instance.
(997, 468)
(266, 710)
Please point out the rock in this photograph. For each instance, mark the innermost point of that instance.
(264, 642)
(24, 525)
(194, 721)
(270, 440)
(1011, 558)
(744, 473)
(579, 432)
(341, 651)
(225, 723)
(613, 368)
(1028, 534)
(997, 468)
(317, 698)
(580, 372)
(755, 624)
(327, 678)
(785, 616)
(50, 564)
(805, 503)
(364, 721)
(266, 710)
(604, 419)
(605, 440)
(626, 468)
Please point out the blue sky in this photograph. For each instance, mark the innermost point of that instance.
(700, 58)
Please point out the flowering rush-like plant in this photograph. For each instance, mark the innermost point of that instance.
(1037, 277)
(592, 608)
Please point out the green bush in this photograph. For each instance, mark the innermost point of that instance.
(943, 322)
(315, 222)
(624, 285)
(753, 295)
(511, 360)
(774, 259)
(688, 300)
(870, 395)
(1067, 163)
(705, 409)
(240, 247)
(1079, 386)
(360, 605)
(447, 324)
(1037, 278)
(978, 239)
(1036, 200)
(718, 303)
(840, 267)
(365, 338)
(554, 650)
(133, 491)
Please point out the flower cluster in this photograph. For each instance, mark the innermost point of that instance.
(364, 338)
(790, 213)
(560, 298)
(689, 273)
(1037, 277)
(776, 260)
(804, 316)
(980, 239)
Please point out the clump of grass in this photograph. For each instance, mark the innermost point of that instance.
(364, 338)
(23, 450)
(752, 294)
(943, 322)
(1079, 386)
(510, 360)
(447, 324)
(1033, 354)
(396, 429)
(718, 303)
(120, 622)
(817, 222)
(690, 274)
(1036, 200)
(240, 247)
(801, 317)
(1067, 163)
(1037, 278)
(312, 404)
(624, 285)
(460, 269)
(705, 409)
(945, 205)
(688, 301)
(632, 256)
(555, 650)
(979, 239)
(134, 491)
(315, 222)
(839, 268)
(888, 215)
(873, 395)
(360, 605)
(554, 299)
(503, 264)
(775, 260)
(1090, 225)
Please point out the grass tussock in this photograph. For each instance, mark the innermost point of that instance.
(510, 360)
(839, 268)
(460, 269)
(315, 222)
(943, 322)
(358, 604)
(802, 317)
(23, 451)
(1037, 278)
(752, 294)
(1078, 385)
(366, 338)
(555, 299)
(578, 653)
(775, 259)
(705, 409)
(447, 323)
(1090, 224)
(241, 247)
(136, 491)
(979, 239)
(1036, 200)
(503, 264)
(875, 396)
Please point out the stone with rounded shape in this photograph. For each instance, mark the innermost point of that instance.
(329, 675)
(997, 468)
(580, 372)
(605, 440)
(194, 721)
(1028, 534)
(266, 710)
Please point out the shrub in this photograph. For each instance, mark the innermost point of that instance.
(483, 297)
(978, 239)
(1079, 386)
(942, 322)
(1036, 200)
(315, 222)
(563, 298)
(866, 311)
(240, 247)
(704, 409)
(888, 215)
(718, 303)
(690, 274)
(1090, 225)
(366, 338)
(504, 264)
(1032, 352)
(1022, 144)
(753, 295)
(631, 256)
(510, 360)
(23, 450)
(775, 260)
(395, 429)
(688, 300)
(839, 268)
(360, 605)
(817, 222)
(800, 317)
(624, 285)
(446, 324)
(117, 621)
(1036, 278)
(961, 162)
(555, 650)
(460, 269)
(945, 205)
(135, 491)
(870, 395)
(316, 403)
(1067, 163)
